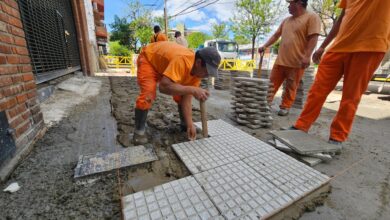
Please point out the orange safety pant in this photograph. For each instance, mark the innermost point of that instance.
(292, 76)
(357, 69)
(147, 79)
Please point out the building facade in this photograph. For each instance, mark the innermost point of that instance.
(40, 40)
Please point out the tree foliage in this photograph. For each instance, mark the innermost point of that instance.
(196, 39)
(143, 34)
(328, 12)
(240, 39)
(254, 18)
(140, 23)
(220, 31)
(121, 31)
(116, 49)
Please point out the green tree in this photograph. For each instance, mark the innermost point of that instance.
(143, 34)
(219, 31)
(254, 17)
(240, 39)
(140, 20)
(116, 49)
(196, 39)
(328, 11)
(121, 31)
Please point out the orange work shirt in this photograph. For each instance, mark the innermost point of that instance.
(365, 27)
(158, 37)
(173, 61)
(295, 33)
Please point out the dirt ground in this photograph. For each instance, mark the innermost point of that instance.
(103, 120)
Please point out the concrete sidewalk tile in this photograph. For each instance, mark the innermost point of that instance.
(238, 191)
(179, 199)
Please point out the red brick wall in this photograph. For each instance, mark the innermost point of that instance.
(18, 92)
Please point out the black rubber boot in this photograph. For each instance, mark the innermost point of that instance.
(139, 136)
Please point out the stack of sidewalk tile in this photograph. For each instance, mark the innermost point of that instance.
(265, 73)
(303, 88)
(307, 148)
(236, 73)
(205, 83)
(223, 81)
(249, 105)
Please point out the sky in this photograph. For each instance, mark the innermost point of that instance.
(201, 20)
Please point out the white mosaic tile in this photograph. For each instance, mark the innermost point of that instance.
(204, 154)
(238, 191)
(218, 127)
(208, 153)
(288, 174)
(179, 199)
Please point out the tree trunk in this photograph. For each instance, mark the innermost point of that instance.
(253, 46)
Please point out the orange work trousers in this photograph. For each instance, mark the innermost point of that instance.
(357, 69)
(147, 79)
(292, 76)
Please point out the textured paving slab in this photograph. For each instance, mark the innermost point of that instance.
(293, 177)
(208, 153)
(103, 161)
(239, 192)
(179, 199)
(303, 143)
(218, 127)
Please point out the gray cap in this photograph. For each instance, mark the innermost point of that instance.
(212, 58)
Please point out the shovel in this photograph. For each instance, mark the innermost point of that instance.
(203, 116)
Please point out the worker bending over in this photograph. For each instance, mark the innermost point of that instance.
(178, 70)
(299, 34)
(361, 37)
(158, 36)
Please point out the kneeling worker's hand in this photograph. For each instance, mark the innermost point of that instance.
(191, 132)
(200, 94)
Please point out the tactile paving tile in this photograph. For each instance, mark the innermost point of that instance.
(208, 153)
(288, 174)
(103, 161)
(179, 199)
(218, 127)
(238, 191)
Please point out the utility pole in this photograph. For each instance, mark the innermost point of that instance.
(165, 18)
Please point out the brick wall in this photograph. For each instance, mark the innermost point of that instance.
(18, 92)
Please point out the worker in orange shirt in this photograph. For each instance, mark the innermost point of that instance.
(361, 37)
(178, 71)
(299, 34)
(158, 36)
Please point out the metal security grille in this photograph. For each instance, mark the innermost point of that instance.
(51, 37)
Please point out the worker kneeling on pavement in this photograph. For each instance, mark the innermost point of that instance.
(178, 71)
(299, 34)
(360, 36)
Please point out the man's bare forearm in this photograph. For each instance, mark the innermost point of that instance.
(312, 43)
(272, 40)
(186, 104)
(170, 88)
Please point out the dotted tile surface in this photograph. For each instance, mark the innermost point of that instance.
(239, 192)
(218, 127)
(179, 199)
(288, 174)
(208, 153)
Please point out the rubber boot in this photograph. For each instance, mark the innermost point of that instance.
(139, 136)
